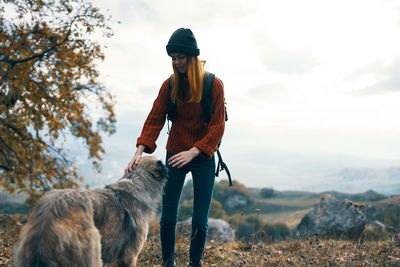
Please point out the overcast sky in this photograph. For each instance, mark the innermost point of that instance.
(312, 86)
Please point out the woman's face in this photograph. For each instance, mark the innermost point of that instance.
(180, 61)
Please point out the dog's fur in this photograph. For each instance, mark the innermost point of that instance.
(88, 228)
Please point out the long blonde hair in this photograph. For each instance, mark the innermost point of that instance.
(195, 73)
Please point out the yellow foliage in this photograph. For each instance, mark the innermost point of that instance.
(47, 73)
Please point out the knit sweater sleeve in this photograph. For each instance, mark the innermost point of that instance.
(155, 120)
(215, 128)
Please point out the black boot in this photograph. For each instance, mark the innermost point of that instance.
(190, 264)
(169, 263)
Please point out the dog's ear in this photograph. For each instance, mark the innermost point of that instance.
(162, 170)
(160, 164)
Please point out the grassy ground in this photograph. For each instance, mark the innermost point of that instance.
(285, 253)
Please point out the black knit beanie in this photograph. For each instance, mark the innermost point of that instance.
(183, 41)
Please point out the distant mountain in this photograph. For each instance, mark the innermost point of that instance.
(358, 174)
(369, 195)
(13, 203)
(385, 181)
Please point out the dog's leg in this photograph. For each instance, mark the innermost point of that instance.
(131, 253)
(129, 260)
(134, 260)
(95, 249)
(128, 263)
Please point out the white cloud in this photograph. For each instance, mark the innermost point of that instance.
(382, 78)
(288, 61)
(290, 70)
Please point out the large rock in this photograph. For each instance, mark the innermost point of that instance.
(332, 217)
(380, 226)
(237, 201)
(218, 230)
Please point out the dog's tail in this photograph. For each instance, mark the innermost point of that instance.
(28, 252)
(30, 249)
(36, 261)
(60, 231)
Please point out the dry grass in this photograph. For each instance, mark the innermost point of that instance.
(286, 253)
(10, 226)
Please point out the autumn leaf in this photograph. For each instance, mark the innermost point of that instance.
(48, 76)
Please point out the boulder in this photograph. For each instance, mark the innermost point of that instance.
(380, 226)
(237, 201)
(334, 218)
(376, 225)
(218, 230)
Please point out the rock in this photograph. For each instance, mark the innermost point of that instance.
(376, 225)
(237, 201)
(380, 226)
(218, 230)
(332, 217)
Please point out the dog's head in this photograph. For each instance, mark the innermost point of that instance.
(153, 166)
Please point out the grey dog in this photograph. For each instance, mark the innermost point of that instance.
(90, 228)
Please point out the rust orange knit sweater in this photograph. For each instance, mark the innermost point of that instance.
(188, 128)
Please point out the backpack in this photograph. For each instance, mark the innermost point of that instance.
(208, 110)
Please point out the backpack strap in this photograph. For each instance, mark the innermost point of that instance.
(171, 109)
(206, 104)
(206, 97)
(222, 166)
(208, 111)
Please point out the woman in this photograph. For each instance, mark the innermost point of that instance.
(191, 143)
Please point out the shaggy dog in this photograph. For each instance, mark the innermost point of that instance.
(88, 228)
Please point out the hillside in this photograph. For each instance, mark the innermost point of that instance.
(276, 206)
(13, 203)
(393, 200)
(291, 219)
(282, 203)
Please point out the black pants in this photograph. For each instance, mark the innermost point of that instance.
(203, 173)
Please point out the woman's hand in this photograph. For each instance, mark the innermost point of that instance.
(181, 159)
(136, 158)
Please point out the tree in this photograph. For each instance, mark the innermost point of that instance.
(49, 90)
(216, 210)
(234, 198)
(267, 192)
